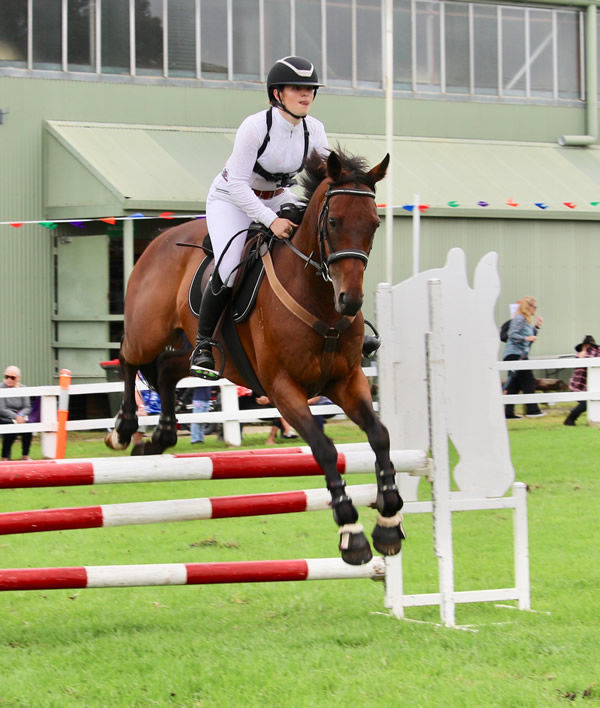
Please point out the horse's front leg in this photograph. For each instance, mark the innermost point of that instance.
(354, 397)
(353, 544)
(126, 421)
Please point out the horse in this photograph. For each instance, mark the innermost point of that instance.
(304, 336)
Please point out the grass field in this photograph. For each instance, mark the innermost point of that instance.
(312, 643)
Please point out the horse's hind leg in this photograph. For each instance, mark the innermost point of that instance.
(355, 399)
(126, 421)
(354, 546)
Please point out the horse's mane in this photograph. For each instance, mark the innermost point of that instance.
(354, 169)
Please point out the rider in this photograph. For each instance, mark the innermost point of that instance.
(270, 148)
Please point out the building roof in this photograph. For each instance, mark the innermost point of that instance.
(106, 169)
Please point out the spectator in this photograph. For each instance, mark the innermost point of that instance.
(321, 401)
(277, 425)
(14, 409)
(522, 333)
(200, 404)
(249, 400)
(148, 403)
(578, 382)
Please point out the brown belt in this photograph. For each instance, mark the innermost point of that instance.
(267, 194)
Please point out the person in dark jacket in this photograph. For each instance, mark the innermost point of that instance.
(14, 409)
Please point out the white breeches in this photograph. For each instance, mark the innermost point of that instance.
(224, 219)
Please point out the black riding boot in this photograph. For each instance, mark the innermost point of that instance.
(214, 300)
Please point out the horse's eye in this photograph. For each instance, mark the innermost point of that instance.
(332, 222)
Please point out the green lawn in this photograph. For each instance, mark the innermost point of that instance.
(312, 643)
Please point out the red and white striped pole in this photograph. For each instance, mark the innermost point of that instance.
(113, 576)
(62, 414)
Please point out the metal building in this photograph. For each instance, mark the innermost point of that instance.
(110, 108)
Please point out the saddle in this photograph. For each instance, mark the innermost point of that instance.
(247, 282)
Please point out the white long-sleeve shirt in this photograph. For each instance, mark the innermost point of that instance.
(283, 154)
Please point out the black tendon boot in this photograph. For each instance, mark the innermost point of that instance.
(214, 300)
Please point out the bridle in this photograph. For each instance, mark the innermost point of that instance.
(324, 238)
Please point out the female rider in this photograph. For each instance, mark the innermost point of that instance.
(270, 148)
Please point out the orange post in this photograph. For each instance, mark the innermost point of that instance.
(62, 413)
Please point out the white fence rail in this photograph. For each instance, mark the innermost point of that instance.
(592, 395)
(232, 418)
(230, 415)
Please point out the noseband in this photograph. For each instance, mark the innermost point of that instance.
(324, 238)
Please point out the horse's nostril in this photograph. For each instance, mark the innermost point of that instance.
(349, 306)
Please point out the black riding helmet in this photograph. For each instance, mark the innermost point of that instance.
(291, 71)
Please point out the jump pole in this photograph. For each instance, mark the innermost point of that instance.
(217, 465)
(156, 512)
(113, 576)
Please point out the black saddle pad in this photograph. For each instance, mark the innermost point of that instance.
(246, 286)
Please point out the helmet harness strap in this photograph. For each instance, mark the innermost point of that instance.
(285, 179)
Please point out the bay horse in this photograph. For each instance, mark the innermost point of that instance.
(304, 336)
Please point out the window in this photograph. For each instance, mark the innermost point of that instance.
(149, 37)
(47, 34)
(339, 42)
(485, 49)
(403, 44)
(309, 29)
(569, 50)
(13, 33)
(214, 42)
(115, 36)
(542, 37)
(513, 52)
(277, 31)
(369, 42)
(456, 47)
(181, 23)
(246, 42)
(81, 36)
(428, 46)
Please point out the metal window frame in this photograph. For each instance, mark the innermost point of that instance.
(554, 6)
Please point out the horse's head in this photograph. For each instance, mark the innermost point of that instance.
(346, 225)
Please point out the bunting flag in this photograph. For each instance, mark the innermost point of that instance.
(83, 223)
(423, 208)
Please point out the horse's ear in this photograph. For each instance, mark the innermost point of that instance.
(378, 172)
(334, 166)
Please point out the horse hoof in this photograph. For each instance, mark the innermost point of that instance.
(111, 440)
(138, 449)
(354, 546)
(388, 535)
(147, 447)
